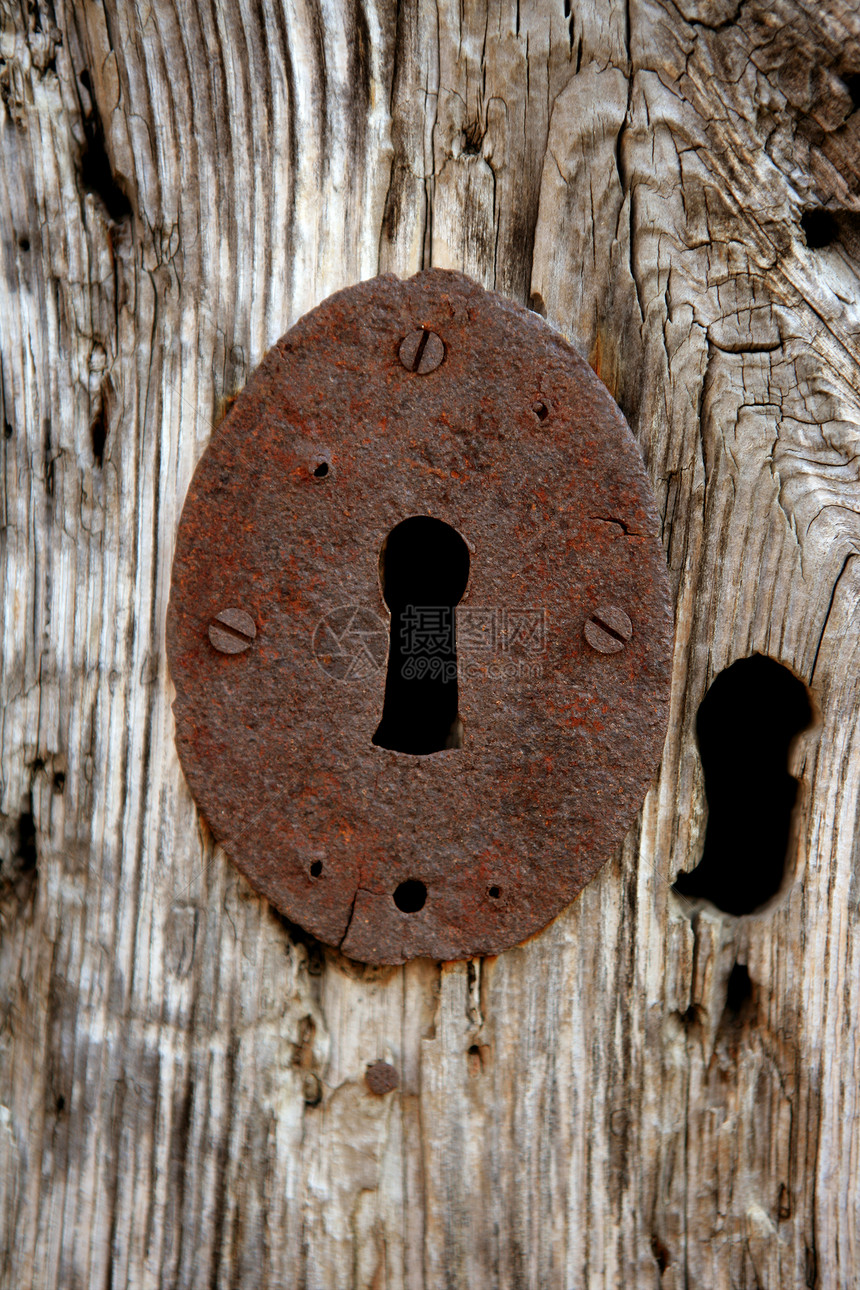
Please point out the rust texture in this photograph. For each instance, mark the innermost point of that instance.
(513, 441)
(381, 1078)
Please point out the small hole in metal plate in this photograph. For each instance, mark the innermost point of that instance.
(316, 868)
(410, 896)
(541, 410)
(495, 892)
(321, 470)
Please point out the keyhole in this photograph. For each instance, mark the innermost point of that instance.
(745, 727)
(423, 568)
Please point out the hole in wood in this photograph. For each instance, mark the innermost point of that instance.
(745, 727)
(738, 989)
(661, 1253)
(410, 896)
(98, 433)
(851, 81)
(819, 228)
(473, 138)
(96, 173)
(474, 1059)
(424, 568)
(26, 853)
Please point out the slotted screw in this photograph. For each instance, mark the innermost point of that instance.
(421, 351)
(232, 631)
(608, 629)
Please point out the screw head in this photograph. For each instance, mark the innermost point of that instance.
(232, 631)
(608, 629)
(421, 351)
(381, 1078)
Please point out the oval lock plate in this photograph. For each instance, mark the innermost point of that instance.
(430, 397)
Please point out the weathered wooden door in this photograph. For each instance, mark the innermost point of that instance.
(653, 1092)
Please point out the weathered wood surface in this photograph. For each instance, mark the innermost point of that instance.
(181, 1076)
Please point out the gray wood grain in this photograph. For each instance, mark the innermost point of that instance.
(181, 1075)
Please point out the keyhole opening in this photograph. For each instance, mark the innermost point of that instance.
(745, 727)
(423, 568)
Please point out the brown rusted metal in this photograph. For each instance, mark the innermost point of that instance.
(232, 631)
(381, 1078)
(512, 441)
(608, 629)
(421, 351)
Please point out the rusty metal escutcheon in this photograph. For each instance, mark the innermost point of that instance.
(392, 399)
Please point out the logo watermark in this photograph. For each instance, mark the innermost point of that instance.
(517, 633)
(437, 642)
(350, 643)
